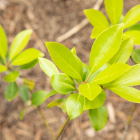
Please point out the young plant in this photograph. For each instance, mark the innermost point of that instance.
(85, 84)
(114, 9)
(15, 60)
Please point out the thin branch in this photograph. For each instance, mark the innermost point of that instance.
(62, 128)
(129, 121)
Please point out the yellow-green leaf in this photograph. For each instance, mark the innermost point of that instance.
(136, 56)
(3, 68)
(12, 76)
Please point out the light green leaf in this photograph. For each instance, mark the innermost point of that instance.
(124, 52)
(22, 114)
(96, 31)
(90, 90)
(134, 27)
(24, 93)
(62, 83)
(48, 67)
(40, 96)
(132, 17)
(96, 18)
(3, 68)
(128, 93)
(61, 103)
(133, 33)
(27, 56)
(73, 50)
(114, 10)
(98, 117)
(111, 73)
(3, 43)
(29, 65)
(29, 83)
(19, 43)
(85, 72)
(105, 46)
(136, 55)
(11, 91)
(74, 105)
(12, 76)
(65, 60)
(96, 103)
(130, 77)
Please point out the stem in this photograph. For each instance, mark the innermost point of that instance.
(129, 121)
(62, 128)
(46, 123)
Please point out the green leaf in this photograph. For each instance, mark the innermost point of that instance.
(29, 65)
(111, 73)
(40, 96)
(61, 103)
(130, 77)
(96, 18)
(12, 76)
(22, 114)
(85, 72)
(96, 103)
(27, 56)
(98, 117)
(133, 33)
(19, 43)
(128, 93)
(73, 50)
(136, 55)
(105, 46)
(3, 43)
(65, 60)
(11, 91)
(114, 10)
(74, 105)
(96, 31)
(48, 67)
(134, 27)
(24, 93)
(124, 52)
(3, 68)
(90, 90)
(29, 83)
(62, 83)
(132, 17)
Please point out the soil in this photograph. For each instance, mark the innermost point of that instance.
(49, 19)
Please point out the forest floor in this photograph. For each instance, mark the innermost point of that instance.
(50, 19)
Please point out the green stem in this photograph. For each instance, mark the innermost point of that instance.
(62, 128)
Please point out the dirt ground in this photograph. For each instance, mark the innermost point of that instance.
(50, 19)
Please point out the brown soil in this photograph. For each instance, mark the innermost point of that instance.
(50, 19)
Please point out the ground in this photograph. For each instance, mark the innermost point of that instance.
(49, 19)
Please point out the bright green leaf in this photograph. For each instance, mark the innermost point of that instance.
(65, 60)
(61, 103)
(24, 93)
(98, 117)
(96, 103)
(3, 43)
(124, 52)
(90, 90)
(132, 17)
(134, 27)
(105, 46)
(136, 55)
(130, 77)
(111, 73)
(96, 18)
(73, 50)
(74, 105)
(85, 72)
(19, 43)
(27, 56)
(114, 10)
(62, 83)
(29, 65)
(11, 91)
(12, 76)
(48, 67)
(40, 96)
(128, 93)
(3, 68)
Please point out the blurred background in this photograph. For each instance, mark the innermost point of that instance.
(49, 19)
